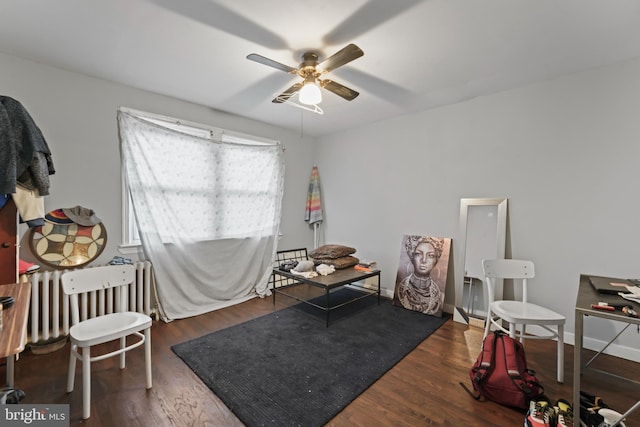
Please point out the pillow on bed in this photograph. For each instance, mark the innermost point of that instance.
(338, 263)
(331, 252)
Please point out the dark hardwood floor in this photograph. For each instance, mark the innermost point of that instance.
(422, 389)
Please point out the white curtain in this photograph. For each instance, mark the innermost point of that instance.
(207, 211)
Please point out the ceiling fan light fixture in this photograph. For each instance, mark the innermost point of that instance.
(309, 89)
(310, 93)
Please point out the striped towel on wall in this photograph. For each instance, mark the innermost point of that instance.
(313, 213)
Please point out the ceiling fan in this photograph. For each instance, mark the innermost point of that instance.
(310, 71)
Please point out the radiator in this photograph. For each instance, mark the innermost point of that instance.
(50, 318)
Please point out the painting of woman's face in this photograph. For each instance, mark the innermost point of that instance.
(424, 259)
(422, 273)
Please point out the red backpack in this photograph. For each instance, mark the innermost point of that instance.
(500, 373)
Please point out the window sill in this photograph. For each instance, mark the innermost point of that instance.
(130, 249)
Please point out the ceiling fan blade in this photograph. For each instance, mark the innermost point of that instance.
(340, 90)
(287, 94)
(343, 56)
(270, 62)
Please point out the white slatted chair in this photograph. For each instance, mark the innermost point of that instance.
(104, 328)
(519, 314)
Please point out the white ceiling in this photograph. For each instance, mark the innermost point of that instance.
(418, 54)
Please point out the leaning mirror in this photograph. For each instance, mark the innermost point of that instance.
(481, 235)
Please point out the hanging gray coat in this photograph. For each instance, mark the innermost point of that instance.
(24, 154)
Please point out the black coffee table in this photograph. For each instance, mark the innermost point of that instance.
(341, 277)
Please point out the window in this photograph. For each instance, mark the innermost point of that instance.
(235, 188)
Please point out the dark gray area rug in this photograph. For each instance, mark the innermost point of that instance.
(288, 369)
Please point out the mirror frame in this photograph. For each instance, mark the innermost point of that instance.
(459, 313)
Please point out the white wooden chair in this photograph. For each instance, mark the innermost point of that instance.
(120, 324)
(519, 314)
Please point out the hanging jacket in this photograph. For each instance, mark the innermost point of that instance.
(24, 154)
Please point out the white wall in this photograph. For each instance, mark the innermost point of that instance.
(77, 115)
(566, 153)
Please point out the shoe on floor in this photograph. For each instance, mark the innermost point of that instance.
(540, 414)
(564, 413)
(589, 407)
(591, 400)
(610, 417)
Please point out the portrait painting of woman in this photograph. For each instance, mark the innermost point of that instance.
(422, 274)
